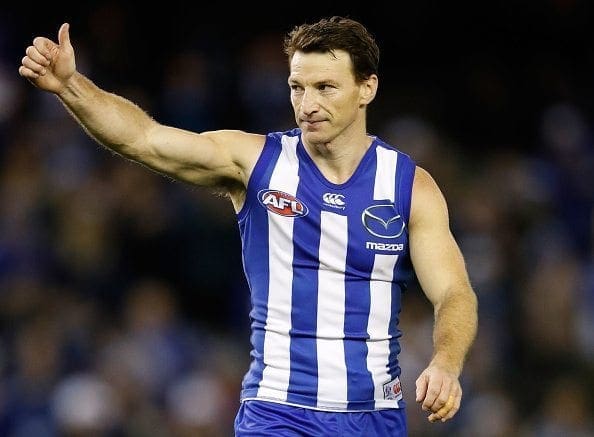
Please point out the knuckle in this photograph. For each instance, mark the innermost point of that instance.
(427, 402)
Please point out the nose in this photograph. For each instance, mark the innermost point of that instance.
(309, 103)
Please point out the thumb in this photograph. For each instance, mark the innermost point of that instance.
(422, 384)
(63, 35)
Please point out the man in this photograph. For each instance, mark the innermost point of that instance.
(333, 221)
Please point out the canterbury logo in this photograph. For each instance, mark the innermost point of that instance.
(383, 221)
(333, 199)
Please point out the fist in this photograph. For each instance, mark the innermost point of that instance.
(48, 65)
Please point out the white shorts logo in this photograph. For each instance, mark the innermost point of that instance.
(393, 390)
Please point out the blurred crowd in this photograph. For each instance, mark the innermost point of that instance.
(123, 305)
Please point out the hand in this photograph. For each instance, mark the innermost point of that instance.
(49, 65)
(440, 392)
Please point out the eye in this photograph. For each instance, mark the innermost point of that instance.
(326, 87)
(295, 87)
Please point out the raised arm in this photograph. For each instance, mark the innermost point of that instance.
(218, 158)
(441, 272)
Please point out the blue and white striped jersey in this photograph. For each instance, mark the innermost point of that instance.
(326, 265)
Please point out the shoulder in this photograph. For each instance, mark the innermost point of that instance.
(428, 201)
(232, 138)
(243, 148)
(279, 135)
(405, 163)
(379, 142)
(423, 181)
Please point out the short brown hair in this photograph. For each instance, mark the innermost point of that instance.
(337, 33)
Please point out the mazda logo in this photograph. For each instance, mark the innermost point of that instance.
(383, 221)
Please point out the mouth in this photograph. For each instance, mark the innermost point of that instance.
(309, 124)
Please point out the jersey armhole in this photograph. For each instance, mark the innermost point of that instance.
(258, 172)
(405, 184)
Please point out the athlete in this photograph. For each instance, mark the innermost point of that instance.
(333, 223)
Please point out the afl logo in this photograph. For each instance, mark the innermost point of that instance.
(383, 221)
(282, 203)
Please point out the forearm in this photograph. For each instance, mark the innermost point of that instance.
(111, 120)
(455, 328)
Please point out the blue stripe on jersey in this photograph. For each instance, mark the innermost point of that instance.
(394, 332)
(357, 303)
(257, 224)
(359, 379)
(303, 381)
(405, 171)
(361, 365)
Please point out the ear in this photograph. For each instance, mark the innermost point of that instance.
(368, 89)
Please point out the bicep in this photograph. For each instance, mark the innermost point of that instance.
(436, 257)
(208, 159)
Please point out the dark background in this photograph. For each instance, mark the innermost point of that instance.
(123, 291)
(480, 72)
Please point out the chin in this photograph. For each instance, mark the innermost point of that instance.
(315, 137)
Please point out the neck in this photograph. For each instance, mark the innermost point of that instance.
(338, 160)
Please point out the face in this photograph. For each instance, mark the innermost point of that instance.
(327, 100)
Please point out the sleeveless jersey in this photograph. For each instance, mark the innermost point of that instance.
(326, 265)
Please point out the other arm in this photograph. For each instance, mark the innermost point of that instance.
(221, 158)
(441, 271)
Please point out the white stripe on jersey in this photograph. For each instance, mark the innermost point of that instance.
(280, 260)
(385, 181)
(332, 373)
(380, 311)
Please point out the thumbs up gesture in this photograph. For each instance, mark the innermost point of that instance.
(48, 65)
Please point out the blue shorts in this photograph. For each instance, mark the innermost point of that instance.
(259, 418)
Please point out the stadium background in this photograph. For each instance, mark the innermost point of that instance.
(123, 307)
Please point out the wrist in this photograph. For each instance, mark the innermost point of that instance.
(71, 87)
(446, 363)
